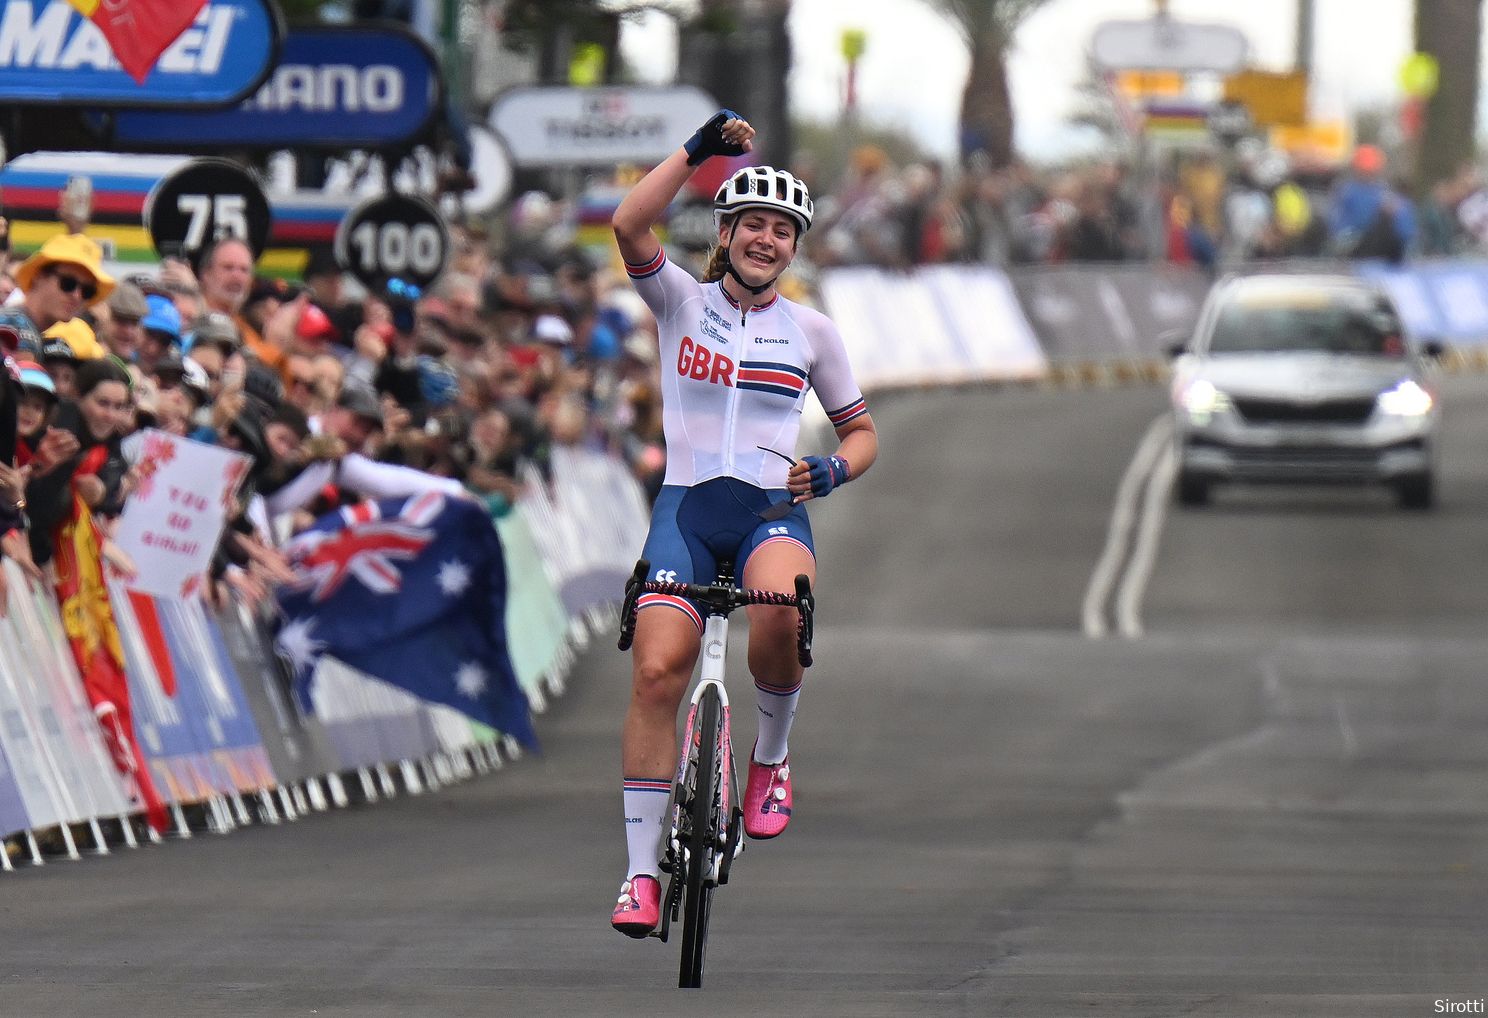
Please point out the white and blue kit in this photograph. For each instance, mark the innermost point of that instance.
(733, 385)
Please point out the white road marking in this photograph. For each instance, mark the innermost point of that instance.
(1144, 551)
(1123, 518)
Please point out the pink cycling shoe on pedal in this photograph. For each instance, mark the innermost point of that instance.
(767, 799)
(639, 908)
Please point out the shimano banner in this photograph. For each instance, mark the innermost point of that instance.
(335, 88)
(49, 53)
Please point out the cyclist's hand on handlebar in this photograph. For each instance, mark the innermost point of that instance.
(725, 134)
(816, 476)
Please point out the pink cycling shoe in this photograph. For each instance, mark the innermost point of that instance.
(639, 909)
(767, 799)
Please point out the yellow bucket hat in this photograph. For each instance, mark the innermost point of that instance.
(79, 335)
(68, 249)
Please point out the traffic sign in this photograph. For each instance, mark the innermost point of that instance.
(552, 126)
(205, 201)
(395, 236)
(1166, 44)
(1273, 99)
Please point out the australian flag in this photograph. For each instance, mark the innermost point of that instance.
(413, 592)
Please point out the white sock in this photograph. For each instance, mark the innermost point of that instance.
(777, 709)
(645, 806)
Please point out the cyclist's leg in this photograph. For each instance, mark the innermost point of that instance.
(778, 552)
(663, 655)
(773, 658)
(667, 639)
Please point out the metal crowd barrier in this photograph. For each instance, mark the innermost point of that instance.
(1083, 323)
(221, 733)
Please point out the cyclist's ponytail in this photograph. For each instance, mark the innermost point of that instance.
(717, 266)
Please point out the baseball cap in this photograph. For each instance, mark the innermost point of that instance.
(216, 329)
(162, 317)
(552, 329)
(128, 301)
(78, 335)
(34, 376)
(362, 402)
(55, 349)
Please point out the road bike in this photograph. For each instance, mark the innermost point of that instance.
(707, 822)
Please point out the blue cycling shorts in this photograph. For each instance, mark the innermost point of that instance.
(693, 528)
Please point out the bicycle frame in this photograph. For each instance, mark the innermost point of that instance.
(714, 653)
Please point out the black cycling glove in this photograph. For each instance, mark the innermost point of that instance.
(708, 140)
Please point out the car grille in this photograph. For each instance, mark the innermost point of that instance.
(1331, 411)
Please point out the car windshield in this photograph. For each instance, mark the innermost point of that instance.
(1352, 324)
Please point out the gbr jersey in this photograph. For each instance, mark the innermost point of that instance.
(733, 382)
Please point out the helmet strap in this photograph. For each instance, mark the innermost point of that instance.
(728, 264)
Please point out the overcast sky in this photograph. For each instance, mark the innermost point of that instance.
(914, 69)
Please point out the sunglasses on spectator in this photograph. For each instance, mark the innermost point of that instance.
(70, 284)
(298, 382)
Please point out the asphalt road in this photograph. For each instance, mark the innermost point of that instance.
(1273, 803)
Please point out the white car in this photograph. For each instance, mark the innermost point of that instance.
(1307, 380)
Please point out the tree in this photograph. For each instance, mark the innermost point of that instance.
(1450, 30)
(987, 26)
(740, 53)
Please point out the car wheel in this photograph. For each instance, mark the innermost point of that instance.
(1192, 491)
(1417, 492)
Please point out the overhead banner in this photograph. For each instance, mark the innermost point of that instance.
(335, 88)
(554, 126)
(50, 53)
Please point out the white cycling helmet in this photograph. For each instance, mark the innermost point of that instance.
(764, 187)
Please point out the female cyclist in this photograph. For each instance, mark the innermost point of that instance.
(736, 361)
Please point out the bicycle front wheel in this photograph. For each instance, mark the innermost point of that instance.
(702, 835)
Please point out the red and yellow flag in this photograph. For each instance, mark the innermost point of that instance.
(88, 619)
(138, 31)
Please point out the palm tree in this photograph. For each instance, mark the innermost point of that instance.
(986, 104)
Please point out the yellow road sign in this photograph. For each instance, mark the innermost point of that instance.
(1273, 99)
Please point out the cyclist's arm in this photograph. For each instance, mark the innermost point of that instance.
(858, 444)
(642, 208)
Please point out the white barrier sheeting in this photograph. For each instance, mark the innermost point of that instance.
(938, 324)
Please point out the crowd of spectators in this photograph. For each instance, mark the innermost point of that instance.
(1204, 207)
(334, 392)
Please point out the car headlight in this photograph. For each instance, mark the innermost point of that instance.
(1408, 399)
(1202, 400)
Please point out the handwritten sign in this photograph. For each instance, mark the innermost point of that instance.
(175, 515)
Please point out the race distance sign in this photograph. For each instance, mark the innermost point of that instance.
(394, 236)
(205, 201)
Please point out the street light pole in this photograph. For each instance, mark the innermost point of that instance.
(1302, 59)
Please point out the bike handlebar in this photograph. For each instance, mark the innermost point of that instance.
(719, 599)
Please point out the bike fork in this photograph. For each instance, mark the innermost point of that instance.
(714, 651)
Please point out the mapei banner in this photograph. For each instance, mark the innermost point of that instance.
(335, 88)
(51, 53)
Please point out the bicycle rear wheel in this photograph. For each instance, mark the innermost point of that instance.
(702, 836)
